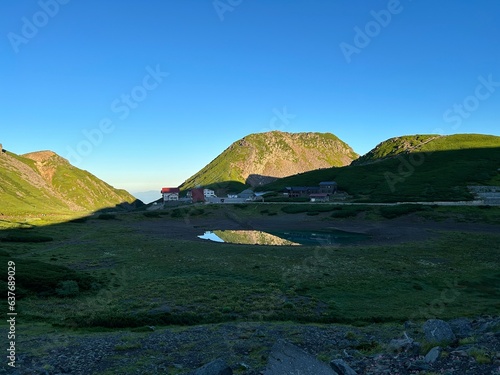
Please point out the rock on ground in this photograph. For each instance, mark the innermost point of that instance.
(217, 367)
(341, 367)
(286, 358)
(461, 327)
(438, 331)
(433, 355)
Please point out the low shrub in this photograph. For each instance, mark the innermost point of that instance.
(44, 279)
(79, 220)
(152, 214)
(68, 288)
(313, 207)
(121, 320)
(176, 213)
(30, 238)
(391, 212)
(346, 211)
(196, 212)
(106, 217)
(241, 206)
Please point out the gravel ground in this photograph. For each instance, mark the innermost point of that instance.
(246, 347)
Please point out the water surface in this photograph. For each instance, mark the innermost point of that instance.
(284, 238)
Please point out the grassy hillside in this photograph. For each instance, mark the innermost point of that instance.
(416, 168)
(426, 143)
(395, 146)
(45, 183)
(260, 158)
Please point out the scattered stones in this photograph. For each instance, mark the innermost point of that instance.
(433, 355)
(341, 367)
(418, 365)
(459, 353)
(286, 358)
(245, 353)
(438, 331)
(407, 345)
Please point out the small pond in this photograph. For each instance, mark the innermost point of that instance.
(285, 238)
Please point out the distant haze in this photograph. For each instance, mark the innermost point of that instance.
(148, 196)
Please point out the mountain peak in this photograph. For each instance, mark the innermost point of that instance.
(44, 182)
(260, 158)
(42, 156)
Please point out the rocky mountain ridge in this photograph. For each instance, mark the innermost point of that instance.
(260, 158)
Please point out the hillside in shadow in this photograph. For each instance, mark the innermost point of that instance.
(415, 176)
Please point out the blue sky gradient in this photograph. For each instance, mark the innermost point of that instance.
(145, 93)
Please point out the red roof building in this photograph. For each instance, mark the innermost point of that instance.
(167, 190)
(170, 194)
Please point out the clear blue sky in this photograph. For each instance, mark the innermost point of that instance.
(162, 87)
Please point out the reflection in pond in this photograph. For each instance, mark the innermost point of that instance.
(249, 237)
(288, 238)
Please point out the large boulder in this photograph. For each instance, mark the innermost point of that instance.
(286, 358)
(438, 331)
(461, 327)
(217, 367)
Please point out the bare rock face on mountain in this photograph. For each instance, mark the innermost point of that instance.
(261, 158)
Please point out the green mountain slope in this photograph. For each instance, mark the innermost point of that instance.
(43, 182)
(414, 168)
(260, 158)
(395, 146)
(426, 143)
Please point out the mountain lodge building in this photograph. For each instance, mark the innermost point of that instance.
(170, 194)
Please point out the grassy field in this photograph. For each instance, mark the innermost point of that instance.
(108, 274)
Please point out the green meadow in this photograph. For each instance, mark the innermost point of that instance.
(105, 272)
